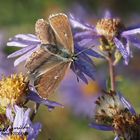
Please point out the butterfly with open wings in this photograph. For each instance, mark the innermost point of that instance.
(57, 52)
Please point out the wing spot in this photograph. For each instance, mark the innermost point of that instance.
(56, 77)
(66, 35)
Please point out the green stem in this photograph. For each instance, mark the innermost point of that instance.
(111, 71)
(36, 107)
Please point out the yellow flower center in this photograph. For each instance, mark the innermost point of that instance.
(13, 89)
(15, 137)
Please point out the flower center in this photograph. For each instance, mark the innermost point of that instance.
(13, 89)
(127, 125)
(107, 106)
(15, 137)
(109, 28)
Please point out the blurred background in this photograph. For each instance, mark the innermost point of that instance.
(71, 122)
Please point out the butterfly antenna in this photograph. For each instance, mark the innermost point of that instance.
(84, 50)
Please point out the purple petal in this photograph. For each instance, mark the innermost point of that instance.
(82, 55)
(117, 138)
(26, 119)
(79, 73)
(88, 51)
(21, 51)
(9, 113)
(29, 37)
(128, 48)
(87, 34)
(25, 56)
(107, 14)
(101, 127)
(23, 40)
(122, 50)
(86, 43)
(77, 24)
(33, 131)
(93, 53)
(134, 40)
(127, 104)
(86, 67)
(131, 32)
(21, 119)
(34, 97)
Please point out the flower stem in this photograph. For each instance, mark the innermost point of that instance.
(111, 71)
(36, 107)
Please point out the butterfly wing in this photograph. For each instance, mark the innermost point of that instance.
(61, 27)
(41, 61)
(44, 32)
(48, 82)
(46, 71)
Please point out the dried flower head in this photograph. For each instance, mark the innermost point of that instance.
(114, 112)
(109, 28)
(127, 126)
(107, 106)
(13, 89)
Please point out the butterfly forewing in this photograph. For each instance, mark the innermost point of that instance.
(61, 27)
(44, 32)
(47, 83)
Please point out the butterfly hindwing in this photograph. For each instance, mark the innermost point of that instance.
(48, 82)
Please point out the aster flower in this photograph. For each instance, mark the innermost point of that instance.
(114, 113)
(15, 90)
(83, 65)
(111, 34)
(79, 97)
(21, 127)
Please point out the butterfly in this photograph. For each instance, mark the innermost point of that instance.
(48, 65)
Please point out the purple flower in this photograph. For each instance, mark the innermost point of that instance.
(82, 65)
(79, 97)
(21, 125)
(111, 34)
(114, 113)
